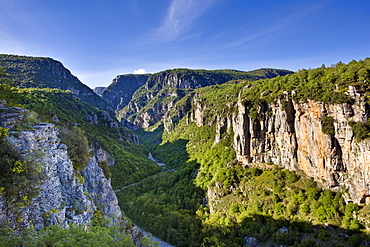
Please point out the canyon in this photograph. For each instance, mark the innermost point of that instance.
(189, 118)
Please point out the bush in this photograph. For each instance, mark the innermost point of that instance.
(327, 125)
(73, 236)
(104, 166)
(78, 146)
(360, 130)
(19, 177)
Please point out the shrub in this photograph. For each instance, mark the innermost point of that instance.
(360, 130)
(104, 166)
(19, 177)
(327, 125)
(78, 146)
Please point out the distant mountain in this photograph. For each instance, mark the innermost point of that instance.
(42, 72)
(120, 91)
(99, 90)
(161, 90)
(266, 73)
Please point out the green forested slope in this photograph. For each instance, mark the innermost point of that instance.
(252, 201)
(42, 72)
(20, 177)
(68, 112)
(163, 89)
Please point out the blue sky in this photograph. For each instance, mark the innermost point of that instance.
(99, 39)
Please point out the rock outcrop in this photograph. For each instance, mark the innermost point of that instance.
(11, 116)
(120, 91)
(62, 199)
(99, 90)
(290, 134)
(65, 195)
(101, 191)
(162, 90)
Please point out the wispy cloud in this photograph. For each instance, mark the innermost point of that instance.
(180, 18)
(276, 27)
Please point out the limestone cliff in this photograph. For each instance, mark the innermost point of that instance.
(162, 90)
(290, 134)
(65, 195)
(120, 91)
(99, 90)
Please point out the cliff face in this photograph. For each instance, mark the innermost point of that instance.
(99, 187)
(65, 195)
(120, 91)
(99, 90)
(290, 134)
(151, 102)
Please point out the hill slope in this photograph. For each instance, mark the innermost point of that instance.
(257, 163)
(120, 91)
(41, 72)
(154, 99)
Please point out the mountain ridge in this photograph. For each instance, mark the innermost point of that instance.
(45, 72)
(153, 99)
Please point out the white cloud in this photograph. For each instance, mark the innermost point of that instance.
(139, 71)
(181, 15)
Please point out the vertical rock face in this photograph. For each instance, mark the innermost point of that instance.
(162, 90)
(61, 199)
(99, 90)
(100, 190)
(120, 91)
(337, 160)
(290, 134)
(64, 195)
(268, 138)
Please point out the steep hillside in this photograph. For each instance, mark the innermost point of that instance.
(41, 72)
(314, 121)
(154, 99)
(59, 156)
(120, 91)
(278, 161)
(99, 90)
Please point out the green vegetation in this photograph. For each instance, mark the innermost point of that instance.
(63, 109)
(322, 84)
(78, 146)
(167, 87)
(251, 202)
(41, 72)
(327, 125)
(361, 130)
(19, 176)
(73, 236)
(245, 201)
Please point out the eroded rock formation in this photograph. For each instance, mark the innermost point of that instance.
(65, 195)
(290, 134)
